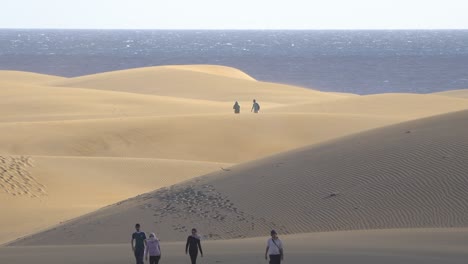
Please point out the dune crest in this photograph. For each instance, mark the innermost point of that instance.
(27, 77)
(185, 82)
(461, 93)
(215, 70)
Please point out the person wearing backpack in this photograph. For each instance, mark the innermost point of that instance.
(255, 107)
(274, 249)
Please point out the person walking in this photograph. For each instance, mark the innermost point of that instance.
(138, 243)
(153, 249)
(236, 108)
(192, 246)
(255, 107)
(274, 249)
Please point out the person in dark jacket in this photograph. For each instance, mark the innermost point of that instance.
(192, 246)
(236, 108)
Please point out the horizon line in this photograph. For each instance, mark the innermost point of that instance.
(232, 29)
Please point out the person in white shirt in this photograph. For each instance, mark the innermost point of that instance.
(274, 249)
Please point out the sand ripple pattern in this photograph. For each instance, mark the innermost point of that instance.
(15, 178)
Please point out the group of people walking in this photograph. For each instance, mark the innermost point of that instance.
(255, 107)
(150, 249)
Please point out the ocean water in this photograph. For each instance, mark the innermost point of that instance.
(363, 62)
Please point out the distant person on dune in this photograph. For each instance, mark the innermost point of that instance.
(192, 246)
(236, 108)
(138, 243)
(274, 249)
(153, 250)
(255, 107)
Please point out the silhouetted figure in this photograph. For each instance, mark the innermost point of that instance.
(192, 246)
(236, 108)
(274, 249)
(139, 246)
(255, 107)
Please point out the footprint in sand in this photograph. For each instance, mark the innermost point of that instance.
(15, 178)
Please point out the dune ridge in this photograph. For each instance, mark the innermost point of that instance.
(27, 77)
(215, 70)
(177, 81)
(461, 93)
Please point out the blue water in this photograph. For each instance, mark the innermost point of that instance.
(361, 62)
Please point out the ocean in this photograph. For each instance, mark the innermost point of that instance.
(356, 61)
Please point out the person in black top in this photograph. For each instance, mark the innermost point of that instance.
(192, 246)
(236, 108)
(139, 246)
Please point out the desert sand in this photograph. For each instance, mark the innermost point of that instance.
(311, 161)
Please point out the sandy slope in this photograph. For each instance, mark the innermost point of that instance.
(407, 106)
(221, 138)
(408, 175)
(38, 191)
(462, 93)
(29, 102)
(417, 246)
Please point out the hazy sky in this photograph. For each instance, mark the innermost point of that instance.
(235, 14)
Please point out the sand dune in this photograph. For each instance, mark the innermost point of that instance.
(462, 93)
(418, 246)
(39, 191)
(195, 83)
(407, 106)
(408, 175)
(26, 102)
(220, 138)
